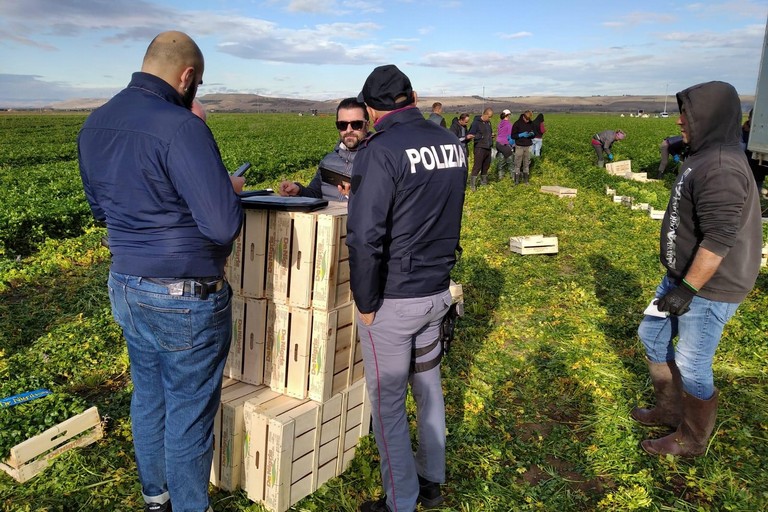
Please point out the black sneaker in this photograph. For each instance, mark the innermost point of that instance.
(158, 507)
(429, 493)
(380, 505)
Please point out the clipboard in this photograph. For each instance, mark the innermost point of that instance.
(280, 203)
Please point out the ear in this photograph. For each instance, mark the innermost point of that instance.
(187, 77)
(415, 97)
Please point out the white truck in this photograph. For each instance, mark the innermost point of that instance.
(758, 133)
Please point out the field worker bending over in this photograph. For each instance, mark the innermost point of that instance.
(352, 124)
(671, 146)
(711, 238)
(603, 143)
(403, 233)
(151, 168)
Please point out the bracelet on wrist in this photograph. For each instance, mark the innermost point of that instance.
(690, 286)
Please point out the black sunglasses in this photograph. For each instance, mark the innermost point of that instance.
(356, 125)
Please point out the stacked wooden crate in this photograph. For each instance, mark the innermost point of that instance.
(293, 403)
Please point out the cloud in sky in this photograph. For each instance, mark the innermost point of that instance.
(321, 49)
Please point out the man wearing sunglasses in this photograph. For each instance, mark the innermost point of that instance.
(352, 123)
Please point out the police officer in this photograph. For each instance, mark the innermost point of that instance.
(403, 233)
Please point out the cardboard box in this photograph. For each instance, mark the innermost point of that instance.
(32, 456)
(558, 191)
(533, 244)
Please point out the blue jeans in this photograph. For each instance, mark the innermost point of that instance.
(698, 331)
(177, 347)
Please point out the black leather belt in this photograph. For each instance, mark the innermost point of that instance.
(190, 287)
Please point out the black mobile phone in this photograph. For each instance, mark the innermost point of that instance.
(333, 177)
(241, 170)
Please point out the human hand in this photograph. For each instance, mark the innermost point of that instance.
(345, 188)
(368, 318)
(238, 182)
(676, 158)
(470, 136)
(677, 301)
(288, 188)
(610, 156)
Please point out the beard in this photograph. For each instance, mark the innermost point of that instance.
(188, 97)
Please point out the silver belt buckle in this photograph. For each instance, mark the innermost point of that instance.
(176, 288)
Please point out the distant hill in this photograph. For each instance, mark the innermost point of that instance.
(451, 105)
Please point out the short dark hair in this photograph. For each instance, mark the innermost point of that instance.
(348, 103)
(463, 115)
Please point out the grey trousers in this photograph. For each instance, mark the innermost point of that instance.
(406, 332)
(522, 159)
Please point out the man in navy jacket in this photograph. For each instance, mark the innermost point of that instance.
(403, 234)
(152, 170)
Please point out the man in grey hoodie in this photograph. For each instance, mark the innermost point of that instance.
(711, 239)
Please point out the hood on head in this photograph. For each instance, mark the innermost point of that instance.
(713, 112)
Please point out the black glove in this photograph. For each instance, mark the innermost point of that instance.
(678, 300)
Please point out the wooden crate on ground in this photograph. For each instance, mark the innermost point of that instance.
(610, 191)
(640, 206)
(638, 176)
(558, 191)
(329, 440)
(307, 258)
(656, 214)
(619, 168)
(356, 422)
(627, 201)
(533, 244)
(233, 435)
(32, 456)
(764, 254)
(279, 455)
(231, 390)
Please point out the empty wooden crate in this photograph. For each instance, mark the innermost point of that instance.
(533, 244)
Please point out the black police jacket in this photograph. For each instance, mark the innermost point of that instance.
(405, 210)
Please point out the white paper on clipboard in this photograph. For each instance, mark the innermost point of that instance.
(653, 310)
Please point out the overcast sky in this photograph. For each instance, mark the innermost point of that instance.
(53, 50)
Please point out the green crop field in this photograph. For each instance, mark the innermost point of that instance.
(544, 370)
